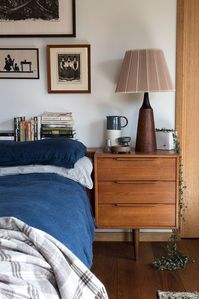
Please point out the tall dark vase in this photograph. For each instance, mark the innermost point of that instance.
(146, 138)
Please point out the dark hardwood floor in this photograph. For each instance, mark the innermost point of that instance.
(125, 278)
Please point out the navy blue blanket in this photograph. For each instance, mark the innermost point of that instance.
(54, 204)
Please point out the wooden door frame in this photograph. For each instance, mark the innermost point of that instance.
(187, 92)
(180, 104)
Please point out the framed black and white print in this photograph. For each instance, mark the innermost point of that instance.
(19, 63)
(31, 18)
(68, 68)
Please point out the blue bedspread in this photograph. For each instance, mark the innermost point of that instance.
(54, 204)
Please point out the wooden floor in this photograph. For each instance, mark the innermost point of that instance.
(125, 278)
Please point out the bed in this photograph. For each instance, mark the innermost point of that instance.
(46, 221)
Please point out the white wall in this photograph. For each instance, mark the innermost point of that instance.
(111, 27)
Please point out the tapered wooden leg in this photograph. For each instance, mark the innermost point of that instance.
(136, 237)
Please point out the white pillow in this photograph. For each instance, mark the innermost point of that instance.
(81, 172)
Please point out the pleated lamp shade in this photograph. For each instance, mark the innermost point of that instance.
(145, 71)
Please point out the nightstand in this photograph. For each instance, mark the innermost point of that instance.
(136, 190)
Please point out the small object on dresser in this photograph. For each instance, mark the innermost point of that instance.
(124, 140)
(107, 147)
(114, 127)
(120, 149)
(165, 139)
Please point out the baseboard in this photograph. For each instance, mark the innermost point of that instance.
(127, 236)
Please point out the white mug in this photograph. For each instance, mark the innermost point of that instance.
(113, 135)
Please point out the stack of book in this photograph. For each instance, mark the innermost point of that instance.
(27, 130)
(57, 124)
(7, 135)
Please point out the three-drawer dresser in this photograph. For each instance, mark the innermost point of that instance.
(136, 190)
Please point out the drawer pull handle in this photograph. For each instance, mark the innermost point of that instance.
(134, 159)
(125, 205)
(135, 182)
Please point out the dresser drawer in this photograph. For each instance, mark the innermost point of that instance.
(136, 192)
(130, 168)
(140, 216)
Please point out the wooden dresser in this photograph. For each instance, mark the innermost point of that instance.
(136, 191)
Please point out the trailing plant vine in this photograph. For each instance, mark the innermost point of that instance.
(174, 259)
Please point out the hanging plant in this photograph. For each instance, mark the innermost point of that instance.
(174, 259)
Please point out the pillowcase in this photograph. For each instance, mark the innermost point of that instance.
(59, 152)
(81, 172)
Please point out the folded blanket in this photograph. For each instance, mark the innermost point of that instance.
(34, 265)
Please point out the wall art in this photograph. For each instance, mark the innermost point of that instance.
(19, 63)
(29, 18)
(68, 68)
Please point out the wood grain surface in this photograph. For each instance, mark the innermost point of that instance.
(187, 108)
(125, 278)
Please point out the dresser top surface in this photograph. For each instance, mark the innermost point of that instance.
(158, 153)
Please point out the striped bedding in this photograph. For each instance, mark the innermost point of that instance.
(34, 265)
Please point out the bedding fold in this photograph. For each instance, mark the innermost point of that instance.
(34, 265)
(54, 204)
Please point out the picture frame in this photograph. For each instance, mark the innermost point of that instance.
(68, 68)
(52, 18)
(19, 63)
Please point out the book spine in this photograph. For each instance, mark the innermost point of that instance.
(28, 130)
(12, 138)
(21, 131)
(38, 128)
(17, 121)
(55, 126)
(15, 129)
(58, 131)
(32, 126)
(6, 134)
(35, 127)
(58, 122)
(68, 118)
(58, 135)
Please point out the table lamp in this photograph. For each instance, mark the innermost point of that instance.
(144, 71)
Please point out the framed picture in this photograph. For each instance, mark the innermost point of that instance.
(19, 63)
(30, 18)
(68, 68)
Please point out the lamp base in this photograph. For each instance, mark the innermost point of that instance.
(146, 137)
